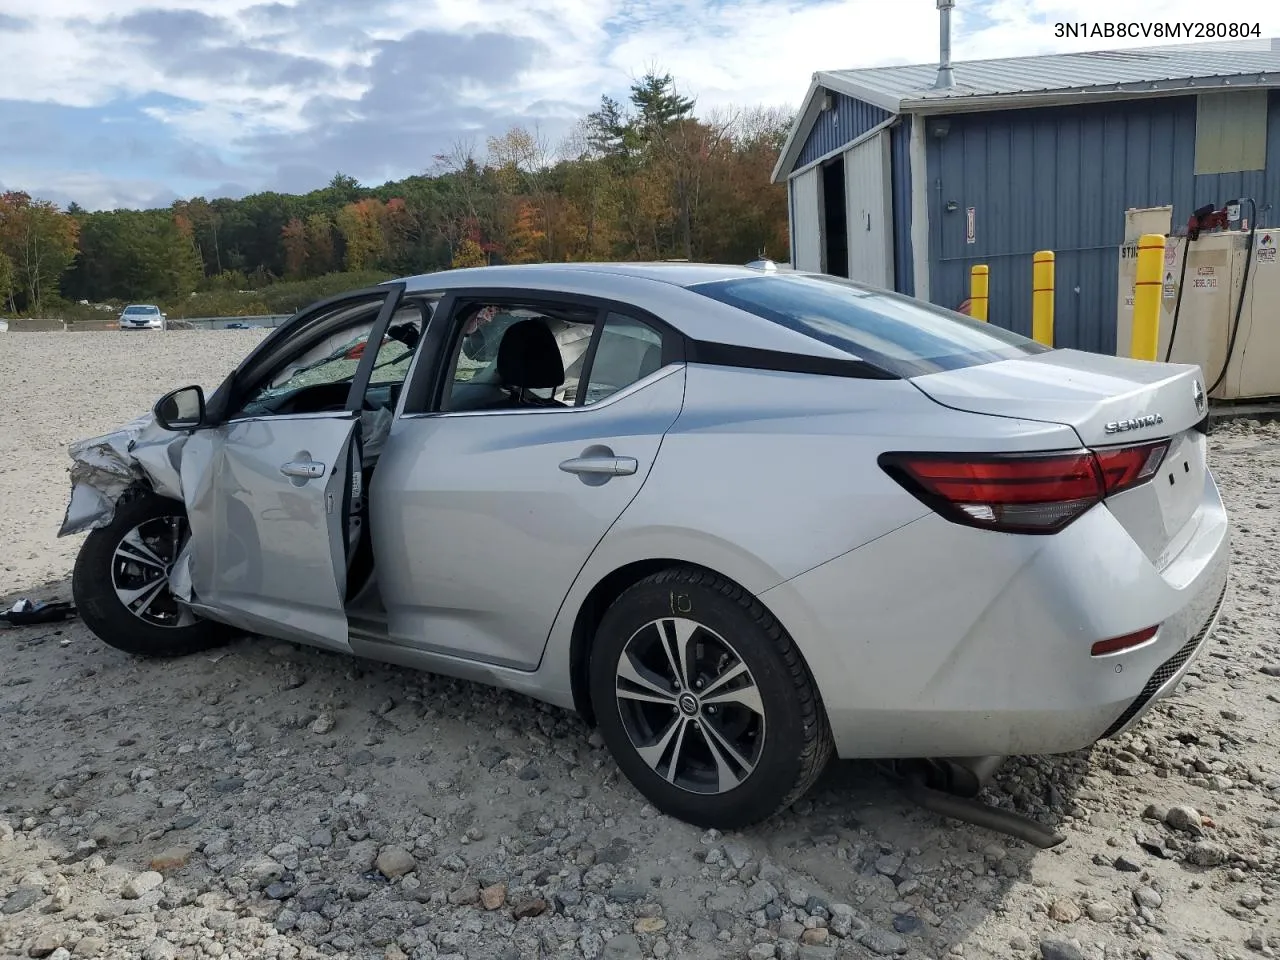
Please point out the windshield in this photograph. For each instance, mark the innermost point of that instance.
(901, 335)
(135, 310)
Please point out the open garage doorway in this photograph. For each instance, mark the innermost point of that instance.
(835, 219)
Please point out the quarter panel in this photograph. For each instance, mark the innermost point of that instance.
(766, 475)
(783, 466)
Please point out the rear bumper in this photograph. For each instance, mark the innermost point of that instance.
(1169, 674)
(944, 641)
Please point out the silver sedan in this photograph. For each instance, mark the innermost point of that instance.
(742, 521)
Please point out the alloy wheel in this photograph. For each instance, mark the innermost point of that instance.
(140, 569)
(690, 705)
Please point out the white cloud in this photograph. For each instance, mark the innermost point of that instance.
(279, 58)
(92, 191)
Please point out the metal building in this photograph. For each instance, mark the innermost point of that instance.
(906, 176)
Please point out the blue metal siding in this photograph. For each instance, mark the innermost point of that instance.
(1061, 179)
(847, 120)
(904, 279)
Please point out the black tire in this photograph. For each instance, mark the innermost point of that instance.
(105, 613)
(796, 739)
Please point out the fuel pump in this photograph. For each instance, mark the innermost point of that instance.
(1208, 219)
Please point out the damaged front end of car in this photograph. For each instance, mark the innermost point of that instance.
(104, 469)
(143, 455)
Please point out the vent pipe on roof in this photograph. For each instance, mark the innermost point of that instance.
(946, 78)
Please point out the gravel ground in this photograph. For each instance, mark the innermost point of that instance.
(270, 801)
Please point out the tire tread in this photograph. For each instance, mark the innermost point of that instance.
(818, 745)
(101, 610)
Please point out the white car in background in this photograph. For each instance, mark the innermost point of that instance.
(141, 316)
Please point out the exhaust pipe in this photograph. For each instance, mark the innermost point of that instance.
(919, 775)
(946, 77)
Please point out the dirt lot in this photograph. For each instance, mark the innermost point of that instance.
(272, 801)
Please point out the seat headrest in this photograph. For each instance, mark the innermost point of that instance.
(529, 357)
(651, 361)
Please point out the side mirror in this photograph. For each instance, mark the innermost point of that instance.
(181, 409)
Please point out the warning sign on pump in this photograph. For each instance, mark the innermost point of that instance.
(1170, 256)
(1267, 248)
(1170, 288)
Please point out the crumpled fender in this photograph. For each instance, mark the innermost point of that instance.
(104, 467)
(143, 452)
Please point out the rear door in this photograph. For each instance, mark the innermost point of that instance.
(485, 509)
(268, 489)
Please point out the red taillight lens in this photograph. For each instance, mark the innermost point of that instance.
(1127, 642)
(1125, 467)
(1022, 493)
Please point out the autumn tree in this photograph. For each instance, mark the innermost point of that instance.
(468, 254)
(466, 205)
(360, 224)
(525, 243)
(321, 257)
(523, 162)
(40, 242)
(294, 239)
(6, 281)
(205, 221)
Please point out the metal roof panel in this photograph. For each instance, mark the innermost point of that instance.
(1087, 71)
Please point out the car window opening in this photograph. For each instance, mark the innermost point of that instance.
(898, 334)
(511, 357)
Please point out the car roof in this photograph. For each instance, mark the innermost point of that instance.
(679, 273)
(662, 289)
(144, 306)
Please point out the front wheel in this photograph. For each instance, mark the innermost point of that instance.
(121, 582)
(705, 702)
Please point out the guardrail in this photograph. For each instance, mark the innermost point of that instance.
(221, 323)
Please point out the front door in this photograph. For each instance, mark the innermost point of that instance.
(268, 489)
(268, 534)
(486, 506)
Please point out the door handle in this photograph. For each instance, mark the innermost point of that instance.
(303, 469)
(601, 466)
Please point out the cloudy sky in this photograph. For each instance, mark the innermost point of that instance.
(136, 102)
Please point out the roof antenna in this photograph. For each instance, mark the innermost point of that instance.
(946, 78)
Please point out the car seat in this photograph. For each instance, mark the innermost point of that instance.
(529, 359)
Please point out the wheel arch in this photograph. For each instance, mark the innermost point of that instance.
(606, 590)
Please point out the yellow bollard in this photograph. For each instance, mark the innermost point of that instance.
(978, 281)
(1042, 297)
(1146, 298)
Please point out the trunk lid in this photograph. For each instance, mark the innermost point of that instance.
(1108, 401)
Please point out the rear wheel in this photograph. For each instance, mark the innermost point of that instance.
(705, 701)
(121, 582)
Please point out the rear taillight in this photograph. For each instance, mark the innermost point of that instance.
(1022, 493)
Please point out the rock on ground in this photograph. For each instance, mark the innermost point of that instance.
(269, 801)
